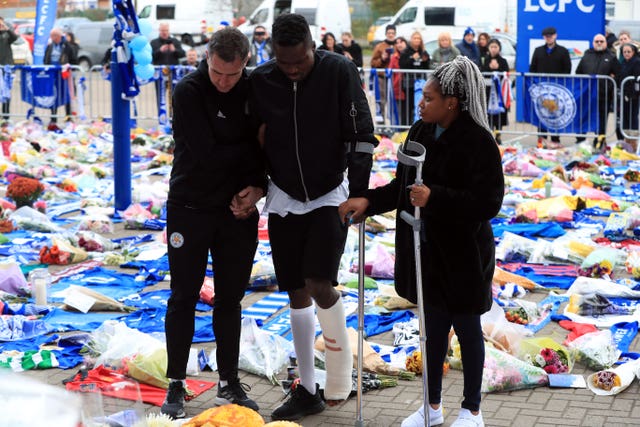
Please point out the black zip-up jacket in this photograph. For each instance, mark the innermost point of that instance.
(216, 147)
(312, 125)
(600, 63)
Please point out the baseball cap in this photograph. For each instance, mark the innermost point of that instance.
(549, 31)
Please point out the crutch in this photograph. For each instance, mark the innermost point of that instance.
(359, 420)
(413, 154)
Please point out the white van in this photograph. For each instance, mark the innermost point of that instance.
(432, 17)
(322, 15)
(187, 20)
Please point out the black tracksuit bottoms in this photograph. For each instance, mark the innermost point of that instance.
(191, 235)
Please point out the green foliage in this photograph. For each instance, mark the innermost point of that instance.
(359, 28)
(385, 7)
(92, 14)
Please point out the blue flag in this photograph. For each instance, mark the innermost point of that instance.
(45, 17)
(562, 105)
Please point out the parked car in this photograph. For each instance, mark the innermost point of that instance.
(70, 23)
(383, 20)
(21, 53)
(508, 43)
(27, 31)
(94, 38)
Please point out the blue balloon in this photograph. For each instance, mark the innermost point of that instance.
(144, 72)
(138, 43)
(147, 48)
(142, 57)
(145, 27)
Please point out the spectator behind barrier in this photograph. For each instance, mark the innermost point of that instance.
(550, 58)
(445, 52)
(600, 61)
(7, 37)
(468, 47)
(166, 50)
(630, 67)
(351, 48)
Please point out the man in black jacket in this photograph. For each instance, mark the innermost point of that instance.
(550, 58)
(600, 61)
(315, 124)
(216, 180)
(59, 52)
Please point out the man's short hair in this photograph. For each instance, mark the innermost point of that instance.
(291, 29)
(229, 43)
(549, 31)
(389, 27)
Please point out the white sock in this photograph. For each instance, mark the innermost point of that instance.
(303, 329)
(338, 354)
(222, 383)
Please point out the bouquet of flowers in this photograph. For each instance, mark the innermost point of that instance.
(24, 191)
(552, 361)
(503, 372)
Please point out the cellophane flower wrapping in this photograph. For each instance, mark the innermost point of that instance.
(261, 352)
(596, 350)
(504, 372)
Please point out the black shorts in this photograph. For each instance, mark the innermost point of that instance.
(307, 246)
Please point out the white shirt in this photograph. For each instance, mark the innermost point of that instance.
(281, 203)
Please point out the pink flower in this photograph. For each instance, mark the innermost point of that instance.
(548, 354)
(551, 369)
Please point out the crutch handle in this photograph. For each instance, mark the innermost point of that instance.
(415, 223)
(411, 159)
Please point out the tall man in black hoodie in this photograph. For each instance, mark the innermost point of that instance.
(316, 124)
(217, 178)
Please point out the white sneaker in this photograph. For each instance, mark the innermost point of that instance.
(467, 419)
(417, 418)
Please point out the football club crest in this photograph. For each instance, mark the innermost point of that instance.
(554, 104)
(176, 239)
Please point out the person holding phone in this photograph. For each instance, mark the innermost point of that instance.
(380, 58)
(7, 37)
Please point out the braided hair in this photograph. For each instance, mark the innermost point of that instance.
(462, 79)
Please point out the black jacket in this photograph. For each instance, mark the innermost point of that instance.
(408, 63)
(464, 172)
(629, 68)
(67, 55)
(309, 123)
(355, 51)
(166, 58)
(7, 37)
(557, 61)
(601, 63)
(216, 153)
(503, 65)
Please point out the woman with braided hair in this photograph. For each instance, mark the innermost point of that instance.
(462, 190)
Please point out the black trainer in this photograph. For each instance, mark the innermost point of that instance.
(234, 392)
(300, 403)
(173, 405)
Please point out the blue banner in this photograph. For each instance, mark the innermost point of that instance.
(561, 105)
(45, 18)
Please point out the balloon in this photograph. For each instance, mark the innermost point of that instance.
(144, 72)
(145, 27)
(142, 57)
(147, 48)
(138, 43)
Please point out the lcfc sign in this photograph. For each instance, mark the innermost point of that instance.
(45, 17)
(559, 6)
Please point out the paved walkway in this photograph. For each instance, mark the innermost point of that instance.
(542, 406)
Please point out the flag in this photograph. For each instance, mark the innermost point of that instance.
(45, 17)
(562, 105)
(495, 104)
